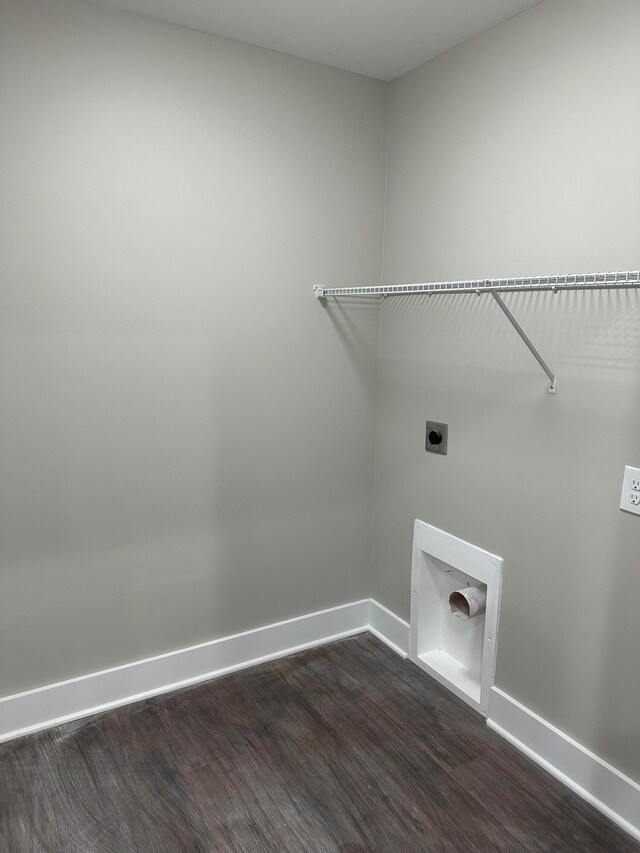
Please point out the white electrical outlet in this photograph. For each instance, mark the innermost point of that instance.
(630, 498)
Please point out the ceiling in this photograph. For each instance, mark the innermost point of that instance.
(378, 38)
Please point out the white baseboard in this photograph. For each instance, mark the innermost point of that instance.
(610, 791)
(89, 694)
(389, 628)
(54, 704)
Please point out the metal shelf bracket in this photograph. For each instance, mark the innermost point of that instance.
(553, 382)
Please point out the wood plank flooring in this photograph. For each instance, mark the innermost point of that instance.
(342, 748)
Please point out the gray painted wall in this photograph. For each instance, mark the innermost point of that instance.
(186, 448)
(515, 154)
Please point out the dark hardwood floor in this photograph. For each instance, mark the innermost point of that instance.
(342, 748)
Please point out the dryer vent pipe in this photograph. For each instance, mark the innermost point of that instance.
(469, 602)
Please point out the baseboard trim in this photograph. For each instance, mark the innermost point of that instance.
(54, 704)
(44, 707)
(389, 628)
(607, 789)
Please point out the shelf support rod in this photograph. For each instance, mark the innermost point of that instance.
(553, 383)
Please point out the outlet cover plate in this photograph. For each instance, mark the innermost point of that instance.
(630, 498)
(443, 431)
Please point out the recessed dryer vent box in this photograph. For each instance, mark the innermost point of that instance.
(457, 649)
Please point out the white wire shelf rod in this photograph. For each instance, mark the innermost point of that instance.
(574, 281)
